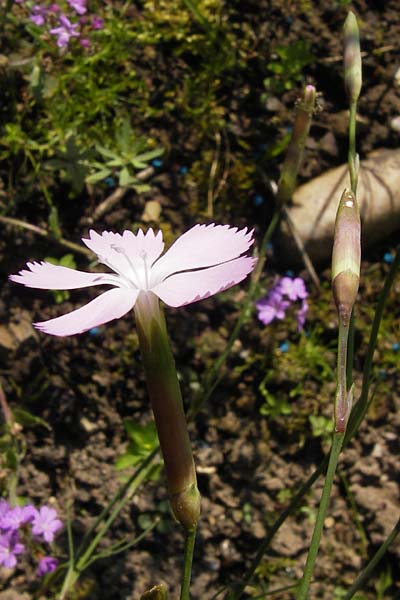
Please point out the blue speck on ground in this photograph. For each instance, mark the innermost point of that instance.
(109, 181)
(157, 163)
(388, 258)
(258, 200)
(284, 346)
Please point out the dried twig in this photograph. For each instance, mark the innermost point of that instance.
(113, 199)
(44, 233)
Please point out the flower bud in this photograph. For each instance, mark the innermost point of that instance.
(346, 255)
(352, 58)
(295, 150)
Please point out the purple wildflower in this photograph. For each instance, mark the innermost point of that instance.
(84, 42)
(97, 23)
(38, 15)
(78, 5)
(65, 32)
(46, 523)
(14, 518)
(295, 288)
(47, 564)
(271, 307)
(10, 547)
(301, 315)
(4, 508)
(285, 292)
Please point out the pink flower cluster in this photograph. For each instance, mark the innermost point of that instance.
(65, 26)
(18, 521)
(286, 292)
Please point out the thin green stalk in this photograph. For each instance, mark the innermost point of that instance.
(342, 404)
(84, 555)
(353, 157)
(294, 503)
(360, 409)
(214, 376)
(362, 578)
(319, 524)
(187, 563)
(356, 417)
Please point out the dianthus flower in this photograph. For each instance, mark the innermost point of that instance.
(202, 262)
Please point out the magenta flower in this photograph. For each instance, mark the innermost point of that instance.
(10, 547)
(97, 23)
(78, 5)
(65, 32)
(46, 523)
(202, 262)
(47, 564)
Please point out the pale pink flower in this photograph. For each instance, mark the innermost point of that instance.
(205, 260)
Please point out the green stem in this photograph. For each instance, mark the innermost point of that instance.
(360, 409)
(187, 563)
(84, 555)
(353, 166)
(357, 415)
(362, 578)
(342, 404)
(322, 510)
(295, 502)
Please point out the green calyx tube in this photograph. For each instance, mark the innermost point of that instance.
(166, 402)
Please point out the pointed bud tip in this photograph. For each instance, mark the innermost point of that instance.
(352, 58)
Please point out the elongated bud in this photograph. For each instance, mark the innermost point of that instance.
(346, 255)
(295, 149)
(352, 58)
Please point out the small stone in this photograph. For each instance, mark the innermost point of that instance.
(152, 211)
(329, 522)
(395, 124)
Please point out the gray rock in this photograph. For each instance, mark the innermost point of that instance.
(315, 203)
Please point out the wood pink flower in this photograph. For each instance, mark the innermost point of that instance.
(205, 260)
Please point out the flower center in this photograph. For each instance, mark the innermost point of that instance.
(138, 269)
